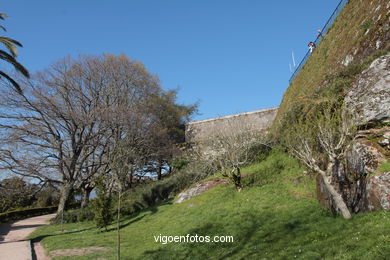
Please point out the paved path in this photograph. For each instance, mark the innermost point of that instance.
(13, 243)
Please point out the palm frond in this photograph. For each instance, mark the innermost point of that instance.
(12, 81)
(10, 59)
(10, 45)
(11, 41)
(3, 16)
(11, 48)
(3, 28)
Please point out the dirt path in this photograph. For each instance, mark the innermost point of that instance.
(13, 243)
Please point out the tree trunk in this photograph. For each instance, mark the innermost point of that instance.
(236, 176)
(338, 200)
(159, 170)
(64, 196)
(86, 192)
(118, 236)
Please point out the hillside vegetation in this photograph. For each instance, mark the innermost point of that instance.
(361, 33)
(275, 216)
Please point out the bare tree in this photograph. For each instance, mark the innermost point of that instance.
(65, 120)
(229, 148)
(320, 141)
(94, 165)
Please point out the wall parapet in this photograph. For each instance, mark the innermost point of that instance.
(254, 120)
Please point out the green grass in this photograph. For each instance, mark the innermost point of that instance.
(384, 167)
(275, 217)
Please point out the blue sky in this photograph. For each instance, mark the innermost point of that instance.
(231, 56)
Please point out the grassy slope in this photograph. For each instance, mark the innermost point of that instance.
(273, 218)
(355, 32)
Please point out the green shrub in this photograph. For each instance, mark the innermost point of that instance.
(102, 205)
(75, 215)
(154, 192)
(47, 197)
(25, 213)
(69, 216)
(179, 163)
(85, 214)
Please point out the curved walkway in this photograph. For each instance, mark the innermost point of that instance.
(13, 237)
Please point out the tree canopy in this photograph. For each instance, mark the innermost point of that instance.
(68, 121)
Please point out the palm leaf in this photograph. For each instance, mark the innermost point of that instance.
(3, 28)
(3, 16)
(11, 40)
(10, 59)
(10, 45)
(11, 48)
(12, 81)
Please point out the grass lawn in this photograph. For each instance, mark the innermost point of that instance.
(275, 217)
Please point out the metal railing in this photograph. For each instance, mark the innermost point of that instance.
(323, 32)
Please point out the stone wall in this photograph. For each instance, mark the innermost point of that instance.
(255, 120)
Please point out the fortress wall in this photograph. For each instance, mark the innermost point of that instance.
(255, 120)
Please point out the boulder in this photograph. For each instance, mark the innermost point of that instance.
(198, 189)
(360, 193)
(378, 192)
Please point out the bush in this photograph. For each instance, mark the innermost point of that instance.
(102, 205)
(258, 152)
(179, 163)
(75, 215)
(25, 213)
(154, 192)
(47, 197)
(85, 214)
(16, 193)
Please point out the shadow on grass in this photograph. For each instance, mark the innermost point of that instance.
(133, 220)
(276, 232)
(135, 217)
(39, 238)
(126, 221)
(151, 209)
(243, 233)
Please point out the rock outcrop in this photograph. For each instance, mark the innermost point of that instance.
(369, 99)
(378, 192)
(198, 189)
(357, 179)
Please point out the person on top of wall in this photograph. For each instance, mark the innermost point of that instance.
(311, 46)
(320, 34)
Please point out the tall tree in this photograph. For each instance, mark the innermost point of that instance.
(66, 123)
(10, 55)
(167, 129)
(67, 113)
